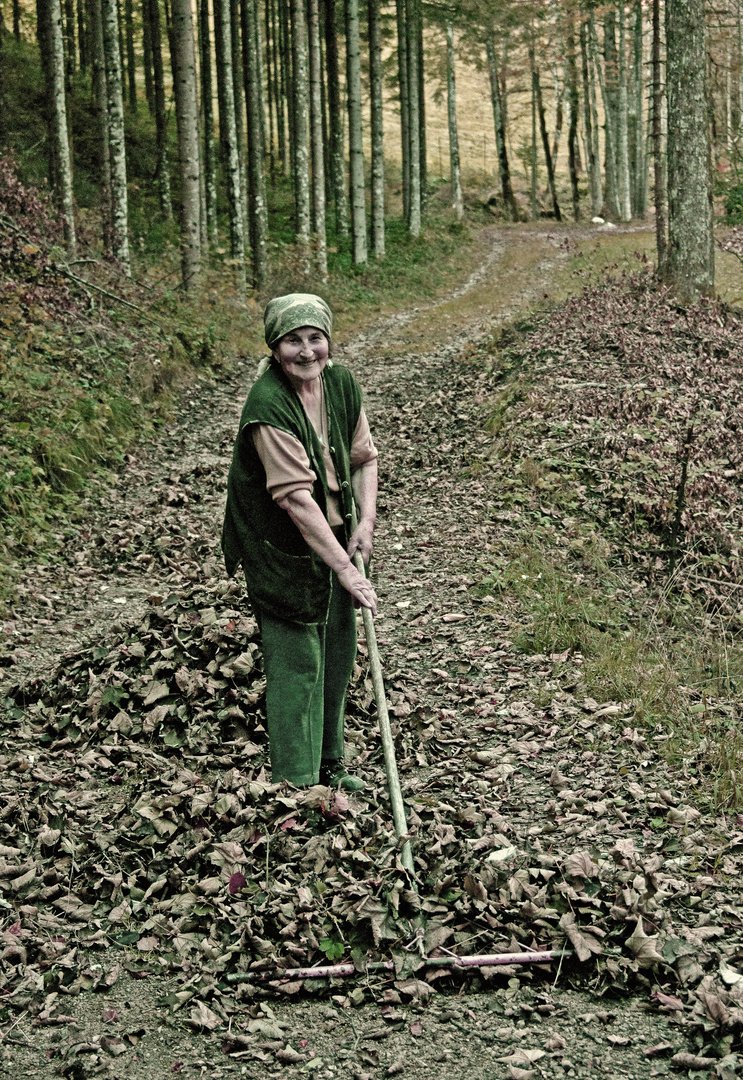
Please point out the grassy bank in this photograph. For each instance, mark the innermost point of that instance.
(615, 452)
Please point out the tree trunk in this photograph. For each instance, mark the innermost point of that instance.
(610, 166)
(100, 97)
(533, 170)
(44, 39)
(17, 20)
(336, 157)
(207, 105)
(623, 176)
(116, 141)
(509, 202)
(451, 101)
(355, 140)
(545, 137)
(591, 126)
(402, 77)
(287, 76)
(223, 43)
(318, 150)
(161, 114)
(257, 208)
(659, 182)
(377, 130)
(641, 166)
(270, 93)
(83, 37)
(690, 265)
(421, 105)
(149, 87)
(574, 108)
(69, 50)
(301, 140)
(131, 70)
(63, 190)
(187, 116)
(411, 38)
(237, 94)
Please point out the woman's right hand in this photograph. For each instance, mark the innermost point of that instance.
(360, 588)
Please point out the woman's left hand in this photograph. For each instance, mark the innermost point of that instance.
(361, 540)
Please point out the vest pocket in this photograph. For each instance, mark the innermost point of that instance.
(294, 587)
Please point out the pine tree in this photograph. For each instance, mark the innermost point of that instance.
(377, 131)
(257, 208)
(451, 101)
(187, 115)
(301, 134)
(59, 128)
(318, 149)
(223, 51)
(690, 265)
(116, 140)
(355, 138)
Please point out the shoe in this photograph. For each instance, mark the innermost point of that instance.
(334, 774)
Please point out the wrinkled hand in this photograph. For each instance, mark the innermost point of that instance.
(360, 588)
(361, 540)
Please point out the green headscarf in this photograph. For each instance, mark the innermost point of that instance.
(286, 313)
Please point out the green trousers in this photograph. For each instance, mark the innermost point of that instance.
(307, 671)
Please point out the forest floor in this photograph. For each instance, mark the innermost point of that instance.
(484, 732)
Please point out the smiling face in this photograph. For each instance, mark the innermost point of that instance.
(302, 353)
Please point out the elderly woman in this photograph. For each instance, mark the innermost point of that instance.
(303, 454)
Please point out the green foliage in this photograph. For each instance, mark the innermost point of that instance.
(734, 205)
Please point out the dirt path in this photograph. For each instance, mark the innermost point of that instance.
(493, 733)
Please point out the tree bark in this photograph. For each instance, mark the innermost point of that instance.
(257, 208)
(451, 101)
(318, 150)
(187, 115)
(130, 62)
(640, 201)
(149, 88)
(418, 7)
(509, 201)
(545, 136)
(270, 92)
(623, 175)
(63, 190)
(377, 131)
(237, 94)
(659, 182)
(574, 101)
(590, 120)
(223, 42)
(355, 140)
(83, 37)
(207, 105)
(336, 157)
(161, 114)
(116, 140)
(411, 38)
(402, 77)
(690, 267)
(100, 97)
(533, 170)
(301, 140)
(610, 167)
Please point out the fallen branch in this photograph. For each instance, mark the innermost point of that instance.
(337, 971)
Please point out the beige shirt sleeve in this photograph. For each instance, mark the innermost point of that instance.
(362, 447)
(284, 459)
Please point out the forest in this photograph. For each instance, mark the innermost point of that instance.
(527, 219)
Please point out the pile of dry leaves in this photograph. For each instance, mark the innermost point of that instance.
(136, 812)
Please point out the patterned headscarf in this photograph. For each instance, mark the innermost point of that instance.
(286, 313)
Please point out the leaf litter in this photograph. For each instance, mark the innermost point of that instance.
(141, 837)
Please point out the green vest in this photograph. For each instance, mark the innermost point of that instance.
(285, 577)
